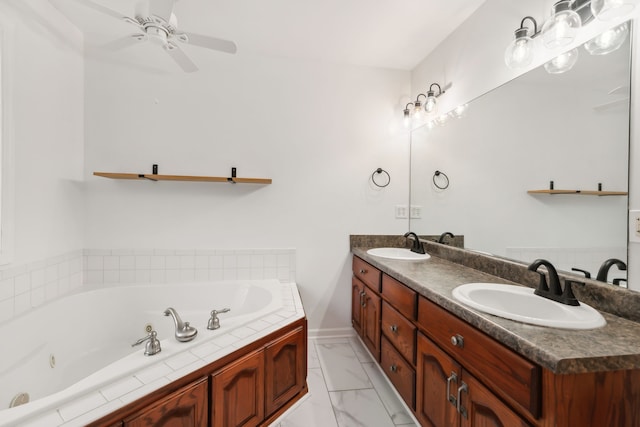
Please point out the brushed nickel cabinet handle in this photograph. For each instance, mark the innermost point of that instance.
(457, 340)
(393, 368)
(363, 271)
(461, 409)
(451, 398)
(394, 328)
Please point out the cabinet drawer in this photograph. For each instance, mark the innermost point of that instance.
(399, 331)
(401, 297)
(367, 273)
(513, 377)
(401, 374)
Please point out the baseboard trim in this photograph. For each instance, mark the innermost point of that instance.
(331, 333)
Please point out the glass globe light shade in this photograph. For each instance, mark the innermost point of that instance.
(608, 41)
(562, 63)
(606, 10)
(562, 27)
(519, 53)
(431, 103)
(406, 119)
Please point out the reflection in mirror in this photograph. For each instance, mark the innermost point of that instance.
(570, 128)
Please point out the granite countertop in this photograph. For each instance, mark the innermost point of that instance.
(615, 346)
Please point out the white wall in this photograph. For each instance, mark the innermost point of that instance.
(318, 130)
(43, 66)
(471, 59)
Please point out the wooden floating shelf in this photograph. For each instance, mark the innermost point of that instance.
(158, 177)
(580, 192)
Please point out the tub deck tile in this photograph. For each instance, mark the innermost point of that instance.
(153, 373)
(117, 389)
(82, 405)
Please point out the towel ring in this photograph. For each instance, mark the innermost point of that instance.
(380, 171)
(444, 182)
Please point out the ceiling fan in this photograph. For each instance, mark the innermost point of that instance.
(157, 23)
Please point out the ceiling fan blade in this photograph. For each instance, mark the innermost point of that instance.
(161, 9)
(124, 42)
(211, 43)
(100, 8)
(182, 59)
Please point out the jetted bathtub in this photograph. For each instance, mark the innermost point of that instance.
(78, 346)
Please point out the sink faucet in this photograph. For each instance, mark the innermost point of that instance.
(443, 235)
(184, 331)
(417, 245)
(603, 272)
(553, 290)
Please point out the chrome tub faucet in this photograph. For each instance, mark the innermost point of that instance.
(184, 331)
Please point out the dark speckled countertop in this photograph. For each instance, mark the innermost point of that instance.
(615, 346)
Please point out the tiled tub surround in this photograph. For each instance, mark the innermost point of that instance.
(615, 346)
(174, 265)
(136, 375)
(25, 287)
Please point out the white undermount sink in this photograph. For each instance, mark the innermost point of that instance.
(521, 304)
(398, 253)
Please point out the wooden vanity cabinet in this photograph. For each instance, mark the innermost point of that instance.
(186, 407)
(449, 396)
(366, 304)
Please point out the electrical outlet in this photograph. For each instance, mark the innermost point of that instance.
(634, 226)
(416, 212)
(401, 211)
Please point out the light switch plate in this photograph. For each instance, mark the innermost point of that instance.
(416, 212)
(401, 211)
(634, 226)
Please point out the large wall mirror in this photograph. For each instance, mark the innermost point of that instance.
(570, 128)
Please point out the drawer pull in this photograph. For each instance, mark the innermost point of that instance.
(362, 303)
(393, 368)
(461, 409)
(451, 398)
(363, 271)
(457, 340)
(394, 328)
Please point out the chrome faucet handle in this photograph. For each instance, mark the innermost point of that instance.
(214, 322)
(153, 345)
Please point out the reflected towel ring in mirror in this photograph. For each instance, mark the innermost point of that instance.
(380, 171)
(440, 180)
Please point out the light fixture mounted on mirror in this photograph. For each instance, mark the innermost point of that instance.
(561, 29)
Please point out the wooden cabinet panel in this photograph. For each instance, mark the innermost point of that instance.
(368, 274)
(435, 405)
(399, 372)
(285, 369)
(483, 409)
(401, 297)
(237, 393)
(357, 300)
(187, 407)
(509, 374)
(371, 322)
(399, 331)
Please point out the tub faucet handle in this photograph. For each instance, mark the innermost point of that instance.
(153, 344)
(214, 322)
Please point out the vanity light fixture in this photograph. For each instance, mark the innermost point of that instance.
(562, 63)
(407, 115)
(519, 52)
(606, 10)
(561, 28)
(431, 104)
(418, 111)
(608, 41)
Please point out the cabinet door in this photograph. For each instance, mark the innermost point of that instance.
(357, 295)
(438, 379)
(285, 369)
(237, 393)
(186, 407)
(483, 409)
(371, 322)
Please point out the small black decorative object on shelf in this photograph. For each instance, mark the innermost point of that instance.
(443, 178)
(378, 172)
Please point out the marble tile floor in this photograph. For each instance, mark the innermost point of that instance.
(346, 389)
